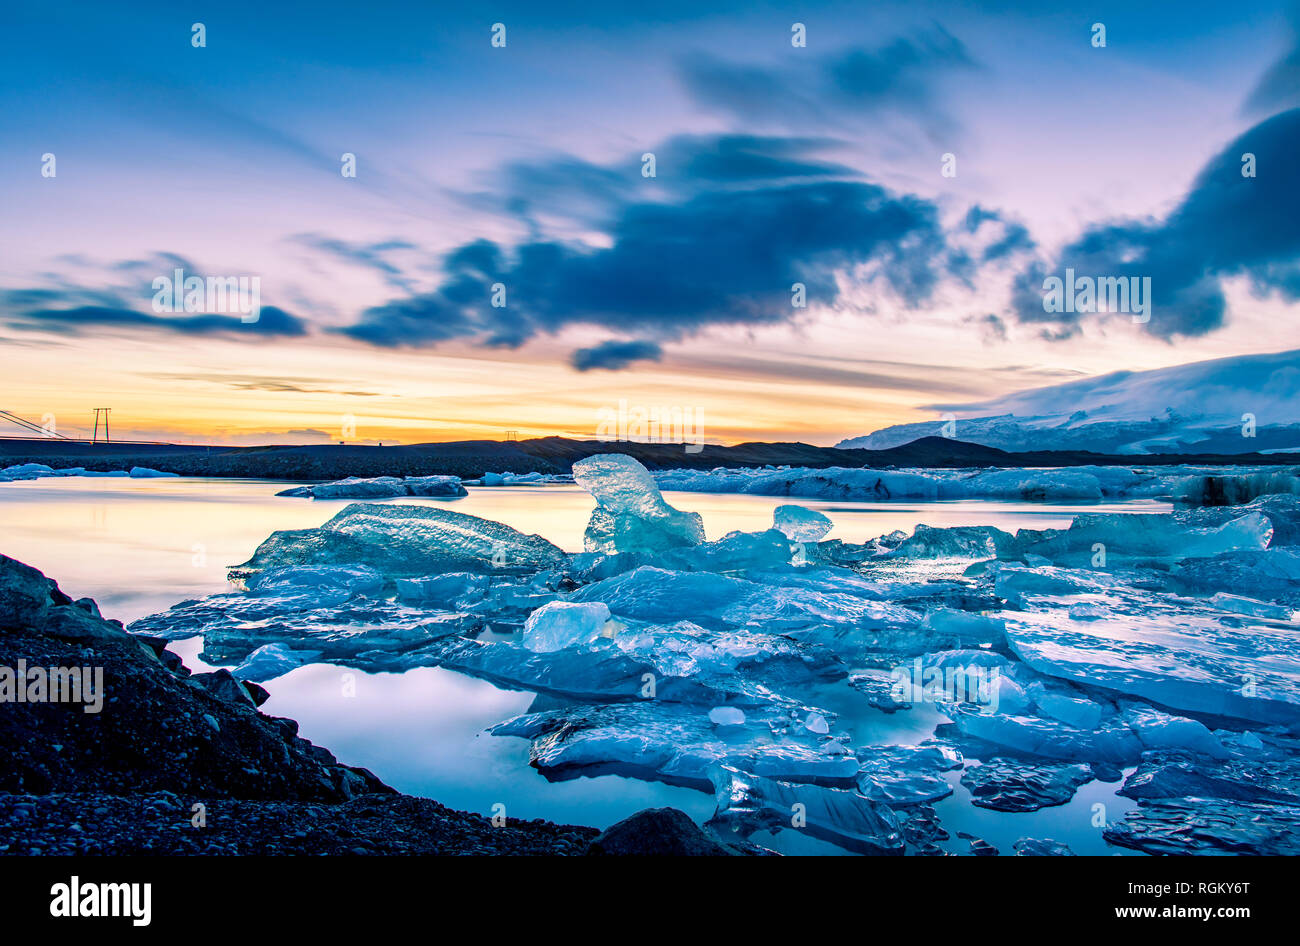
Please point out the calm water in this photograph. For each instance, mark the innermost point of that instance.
(139, 546)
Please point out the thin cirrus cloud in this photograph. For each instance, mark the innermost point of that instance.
(900, 79)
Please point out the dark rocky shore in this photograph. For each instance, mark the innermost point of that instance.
(178, 763)
(472, 458)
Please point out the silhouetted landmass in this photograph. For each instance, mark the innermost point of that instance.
(473, 458)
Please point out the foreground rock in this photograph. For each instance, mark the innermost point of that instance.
(165, 823)
(664, 832)
(139, 752)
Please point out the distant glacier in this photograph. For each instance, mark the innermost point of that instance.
(1244, 404)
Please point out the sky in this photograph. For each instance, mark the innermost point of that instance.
(919, 169)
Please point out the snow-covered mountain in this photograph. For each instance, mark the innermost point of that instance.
(1202, 407)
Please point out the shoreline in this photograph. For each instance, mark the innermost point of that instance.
(172, 762)
(556, 455)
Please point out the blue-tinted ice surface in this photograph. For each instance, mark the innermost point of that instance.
(861, 695)
(381, 487)
(630, 514)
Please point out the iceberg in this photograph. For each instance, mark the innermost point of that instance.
(272, 660)
(1105, 540)
(380, 487)
(800, 524)
(1007, 785)
(451, 590)
(630, 514)
(906, 775)
(746, 803)
(1208, 826)
(1160, 649)
(562, 624)
(1174, 775)
(1042, 847)
(734, 552)
(675, 743)
(406, 542)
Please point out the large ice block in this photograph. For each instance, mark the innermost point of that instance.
(630, 514)
(402, 541)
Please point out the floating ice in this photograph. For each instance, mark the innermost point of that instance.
(735, 552)
(1208, 826)
(380, 487)
(370, 633)
(630, 514)
(1252, 607)
(518, 479)
(673, 743)
(955, 542)
(816, 723)
(451, 590)
(726, 716)
(800, 524)
(1271, 574)
(1111, 539)
(906, 775)
(685, 649)
(1172, 775)
(746, 803)
(1044, 847)
(406, 542)
(320, 583)
(272, 660)
(1007, 785)
(562, 624)
(1064, 484)
(1156, 647)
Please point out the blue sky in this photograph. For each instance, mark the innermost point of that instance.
(522, 166)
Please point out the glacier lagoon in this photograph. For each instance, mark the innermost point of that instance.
(786, 646)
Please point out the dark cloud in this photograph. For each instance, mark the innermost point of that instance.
(613, 355)
(1227, 225)
(902, 72)
(717, 258)
(272, 322)
(698, 161)
(1011, 237)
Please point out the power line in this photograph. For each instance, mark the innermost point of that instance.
(34, 428)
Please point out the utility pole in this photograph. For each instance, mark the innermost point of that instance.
(95, 436)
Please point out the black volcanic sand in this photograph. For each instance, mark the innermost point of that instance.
(472, 458)
(125, 780)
